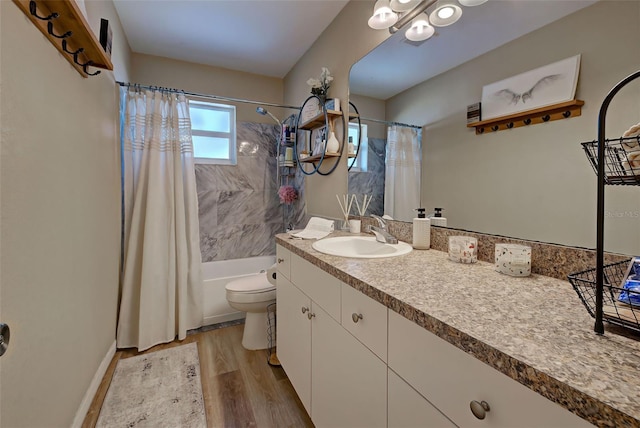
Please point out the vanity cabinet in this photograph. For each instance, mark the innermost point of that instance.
(408, 409)
(283, 260)
(451, 380)
(339, 380)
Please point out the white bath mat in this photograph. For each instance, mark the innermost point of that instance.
(159, 389)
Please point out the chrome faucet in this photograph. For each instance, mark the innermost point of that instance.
(381, 233)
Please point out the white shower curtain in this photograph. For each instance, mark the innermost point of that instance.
(402, 174)
(161, 278)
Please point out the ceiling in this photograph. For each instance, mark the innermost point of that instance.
(268, 37)
(265, 37)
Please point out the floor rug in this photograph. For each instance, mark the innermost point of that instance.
(159, 389)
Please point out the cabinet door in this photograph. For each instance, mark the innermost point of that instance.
(366, 319)
(408, 409)
(294, 338)
(283, 259)
(349, 383)
(450, 379)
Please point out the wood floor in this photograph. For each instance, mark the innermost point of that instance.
(240, 389)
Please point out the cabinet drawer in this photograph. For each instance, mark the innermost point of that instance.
(408, 409)
(321, 287)
(283, 259)
(366, 319)
(450, 379)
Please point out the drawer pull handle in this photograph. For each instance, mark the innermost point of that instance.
(310, 315)
(280, 260)
(305, 310)
(356, 317)
(479, 409)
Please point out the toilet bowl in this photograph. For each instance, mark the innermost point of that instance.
(252, 294)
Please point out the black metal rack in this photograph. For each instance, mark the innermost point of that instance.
(602, 180)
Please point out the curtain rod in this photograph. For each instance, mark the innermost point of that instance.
(386, 122)
(214, 97)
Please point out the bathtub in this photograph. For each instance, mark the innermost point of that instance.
(216, 275)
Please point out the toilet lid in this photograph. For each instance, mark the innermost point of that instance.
(253, 283)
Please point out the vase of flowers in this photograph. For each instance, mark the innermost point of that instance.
(320, 87)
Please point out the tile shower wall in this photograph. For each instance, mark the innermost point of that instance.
(371, 182)
(239, 208)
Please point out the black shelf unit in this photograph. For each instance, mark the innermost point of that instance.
(602, 180)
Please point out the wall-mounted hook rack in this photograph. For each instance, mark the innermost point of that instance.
(531, 117)
(64, 25)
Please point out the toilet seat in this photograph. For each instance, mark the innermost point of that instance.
(251, 289)
(251, 284)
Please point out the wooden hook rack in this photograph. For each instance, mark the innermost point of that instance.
(64, 25)
(531, 117)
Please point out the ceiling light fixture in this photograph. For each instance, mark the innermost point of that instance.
(383, 17)
(396, 14)
(420, 29)
(471, 3)
(445, 13)
(403, 5)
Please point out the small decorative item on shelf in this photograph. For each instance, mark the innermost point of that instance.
(333, 145)
(320, 87)
(106, 36)
(332, 104)
(287, 194)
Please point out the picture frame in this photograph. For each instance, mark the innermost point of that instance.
(106, 36)
(544, 86)
(318, 142)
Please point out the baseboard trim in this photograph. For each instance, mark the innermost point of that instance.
(217, 319)
(93, 387)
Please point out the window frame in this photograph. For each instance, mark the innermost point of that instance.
(231, 136)
(360, 164)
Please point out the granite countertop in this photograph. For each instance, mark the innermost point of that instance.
(533, 329)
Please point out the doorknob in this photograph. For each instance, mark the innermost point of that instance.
(5, 335)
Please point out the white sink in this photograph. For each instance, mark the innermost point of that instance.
(362, 247)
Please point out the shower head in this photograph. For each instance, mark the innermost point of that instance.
(263, 111)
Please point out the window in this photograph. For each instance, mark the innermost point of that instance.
(213, 128)
(359, 163)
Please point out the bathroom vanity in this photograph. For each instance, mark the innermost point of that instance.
(418, 340)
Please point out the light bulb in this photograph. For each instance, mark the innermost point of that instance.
(445, 12)
(383, 17)
(420, 29)
(470, 3)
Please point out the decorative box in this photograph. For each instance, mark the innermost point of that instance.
(513, 259)
(463, 249)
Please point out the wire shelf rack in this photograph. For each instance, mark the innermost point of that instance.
(621, 160)
(272, 358)
(617, 303)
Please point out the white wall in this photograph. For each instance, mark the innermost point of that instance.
(347, 39)
(205, 79)
(533, 182)
(60, 231)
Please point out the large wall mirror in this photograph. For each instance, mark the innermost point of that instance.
(534, 182)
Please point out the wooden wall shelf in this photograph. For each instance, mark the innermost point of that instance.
(318, 121)
(316, 158)
(56, 29)
(531, 117)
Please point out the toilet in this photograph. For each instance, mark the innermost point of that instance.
(252, 294)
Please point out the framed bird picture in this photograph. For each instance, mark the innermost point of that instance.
(551, 84)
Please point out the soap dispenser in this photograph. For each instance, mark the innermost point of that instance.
(437, 219)
(421, 231)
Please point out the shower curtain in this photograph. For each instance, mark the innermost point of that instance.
(402, 174)
(161, 279)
